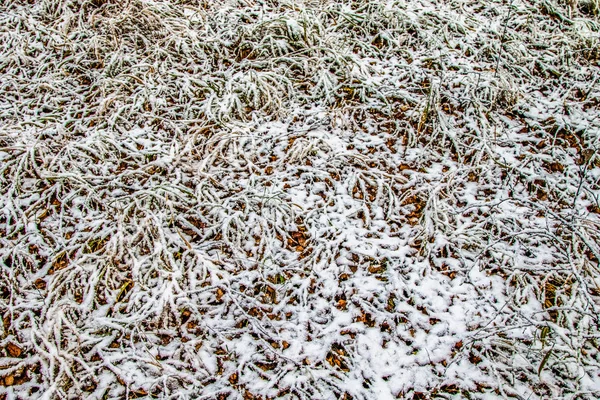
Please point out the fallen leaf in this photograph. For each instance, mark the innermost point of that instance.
(14, 350)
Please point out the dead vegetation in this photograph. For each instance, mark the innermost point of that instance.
(299, 199)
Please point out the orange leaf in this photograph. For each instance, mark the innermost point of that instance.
(14, 350)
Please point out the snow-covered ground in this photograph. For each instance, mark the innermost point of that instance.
(262, 199)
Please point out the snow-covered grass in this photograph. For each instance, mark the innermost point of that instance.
(261, 199)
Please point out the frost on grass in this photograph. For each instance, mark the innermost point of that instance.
(299, 199)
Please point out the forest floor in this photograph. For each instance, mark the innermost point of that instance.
(261, 199)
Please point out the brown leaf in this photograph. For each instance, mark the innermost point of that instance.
(554, 167)
(14, 350)
(376, 269)
(9, 380)
(334, 358)
(40, 284)
(593, 209)
(271, 294)
(266, 366)
(7, 321)
(348, 332)
(475, 359)
(140, 393)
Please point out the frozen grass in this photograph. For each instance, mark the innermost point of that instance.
(299, 199)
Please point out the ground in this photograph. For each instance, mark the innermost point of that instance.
(260, 199)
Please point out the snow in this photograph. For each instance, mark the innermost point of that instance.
(299, 199)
